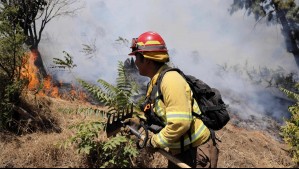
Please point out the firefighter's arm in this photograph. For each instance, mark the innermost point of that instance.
(177, 100)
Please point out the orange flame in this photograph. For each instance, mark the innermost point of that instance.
(29, 71)
(44, 86)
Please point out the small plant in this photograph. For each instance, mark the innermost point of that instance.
(86, 136)
(89, 49)
(290, 131)
(117, 97)
(67, 63)
(118, 151)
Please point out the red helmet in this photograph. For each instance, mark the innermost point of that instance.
(148, 42)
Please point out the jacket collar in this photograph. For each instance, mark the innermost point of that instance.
(154, 80)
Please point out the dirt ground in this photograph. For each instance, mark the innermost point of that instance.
(239, 147)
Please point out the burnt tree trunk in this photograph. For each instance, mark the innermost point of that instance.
(28, 12)
(289, 35)
(39, 64)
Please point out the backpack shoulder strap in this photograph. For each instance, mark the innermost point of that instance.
(157, 86)
(162, 73)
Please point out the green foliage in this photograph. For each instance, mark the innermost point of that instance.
(283, 12)
(67, 63)
(25, 13)
(264, 8)
(290, 7)
(116, 98)
(29, 11)
(86, 136)
(12, 56)
(115, 152)
(290, 131)
(119, 150)
(251, 7)
(84, 110)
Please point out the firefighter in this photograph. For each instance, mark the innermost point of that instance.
(187, 138)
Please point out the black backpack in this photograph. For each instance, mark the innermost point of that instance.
(214, 113)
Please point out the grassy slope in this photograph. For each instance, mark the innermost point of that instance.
(240, 148)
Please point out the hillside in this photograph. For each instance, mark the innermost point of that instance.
(240, 147)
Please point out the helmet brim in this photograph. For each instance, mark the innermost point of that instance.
(132, 53)
(141, 51)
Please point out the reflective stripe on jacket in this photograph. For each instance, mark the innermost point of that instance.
(176, 112)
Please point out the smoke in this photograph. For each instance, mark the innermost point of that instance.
(202, 37)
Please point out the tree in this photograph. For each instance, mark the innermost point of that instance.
(31, 12)
(280, 12)
(12, 56)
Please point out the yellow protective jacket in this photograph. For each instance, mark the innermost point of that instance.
(176, 113)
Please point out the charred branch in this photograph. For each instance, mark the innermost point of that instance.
(30, 121)
(22, 112)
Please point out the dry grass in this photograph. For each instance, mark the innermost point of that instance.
(251, 149)
(37, 150)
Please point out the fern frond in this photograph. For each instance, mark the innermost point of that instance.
(108, 88)
(290, 94)
(127, 87)
(98, 93)
(118, 97)
(123, 82)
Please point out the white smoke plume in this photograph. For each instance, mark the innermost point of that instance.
(201, 37)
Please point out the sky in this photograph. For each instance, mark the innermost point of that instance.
(201, 36)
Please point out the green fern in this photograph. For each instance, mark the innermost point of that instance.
(290, 131)
(100, 94)
(118, 97)
(116, 152)
(290, 94)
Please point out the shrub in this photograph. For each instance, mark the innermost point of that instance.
(290, 131)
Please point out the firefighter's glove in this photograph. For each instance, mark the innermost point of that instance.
(133, 122)
(150, 146)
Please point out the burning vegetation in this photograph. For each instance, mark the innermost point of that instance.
(27, 108)
(47, 86)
